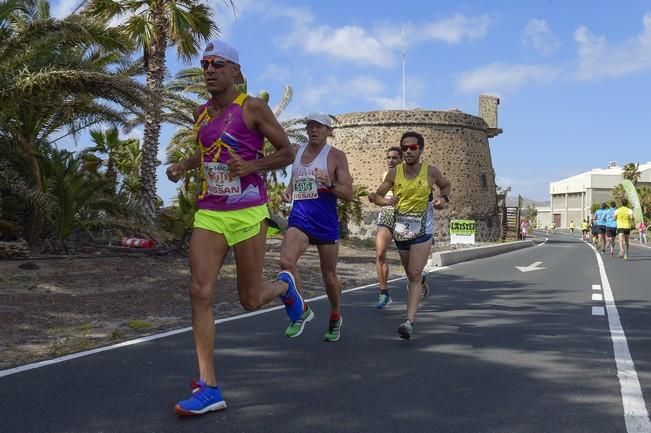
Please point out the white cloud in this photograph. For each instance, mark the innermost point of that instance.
(500, 77)
(414, 86)
(533, 188)
(63, 8)
(350, 43)
(225, 17)
(504, 181)
(275, 72)
(335, 91)
(538, 36)
(313, 95)
(363, 86)
(390, 35)
(394, 103)
(378, 46)
(301, 16)
(455, 29)
(597, 59)
(137, 133)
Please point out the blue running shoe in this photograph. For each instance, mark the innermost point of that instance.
(292, 299)
(204, 399)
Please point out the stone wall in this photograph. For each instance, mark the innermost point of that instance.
(456, 142)
(488, 110)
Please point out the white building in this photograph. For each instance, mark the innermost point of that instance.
(571, 199)
(543, 216)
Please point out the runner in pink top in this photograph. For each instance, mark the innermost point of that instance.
(220, 138)
(231, 129)
(642, 229)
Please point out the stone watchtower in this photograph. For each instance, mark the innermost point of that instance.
(456, 142)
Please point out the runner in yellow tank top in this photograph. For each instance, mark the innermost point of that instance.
(412, 182)
(413, 193)
(625, 221)
(584, 230)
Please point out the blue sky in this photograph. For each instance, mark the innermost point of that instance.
(572, 76)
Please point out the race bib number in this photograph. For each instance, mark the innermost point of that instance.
(408, 227)
(219, 181)
(305, 188)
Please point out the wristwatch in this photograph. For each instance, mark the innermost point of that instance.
(446, 198)
(333, 186)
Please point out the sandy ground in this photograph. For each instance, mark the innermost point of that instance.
(52, 306)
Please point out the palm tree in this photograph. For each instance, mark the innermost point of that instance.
(128, 158)
(644, 192)
(351, 210)
(79, 201)
(618, 193)
(58, 77)
(631, 172)
(531, 213)
(154, 26)
(105, 142)
(17, 198)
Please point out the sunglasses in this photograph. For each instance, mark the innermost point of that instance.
(411, 147)
(216, 64)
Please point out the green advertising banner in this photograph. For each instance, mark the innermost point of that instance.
(462, 231)
(462, 227)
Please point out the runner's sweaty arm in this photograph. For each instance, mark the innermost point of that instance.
(386, 185)
(177, 170)
(437, 178)
(341, 180)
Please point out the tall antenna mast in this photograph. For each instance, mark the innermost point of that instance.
(404, 101)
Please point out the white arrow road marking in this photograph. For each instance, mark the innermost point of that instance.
(531, 267)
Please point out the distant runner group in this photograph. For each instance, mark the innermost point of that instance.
(231, 129)
(611, 221)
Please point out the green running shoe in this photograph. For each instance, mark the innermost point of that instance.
(296, 328)
(334, 330)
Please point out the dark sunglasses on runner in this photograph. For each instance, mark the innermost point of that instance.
(404, 147)
(216, 64)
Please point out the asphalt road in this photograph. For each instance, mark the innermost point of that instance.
(495, 349)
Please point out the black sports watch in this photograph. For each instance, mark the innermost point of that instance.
(333, 186)
(446, 198)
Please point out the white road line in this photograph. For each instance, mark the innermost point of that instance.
(47, 362)
(598, 311)
(596, 287)
(597, 297)
(635, 414)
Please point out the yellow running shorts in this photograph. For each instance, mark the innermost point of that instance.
(236, 225)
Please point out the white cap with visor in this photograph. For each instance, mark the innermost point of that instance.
(221, 49)
(321, 118)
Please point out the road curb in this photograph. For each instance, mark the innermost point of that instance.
(446, 258)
